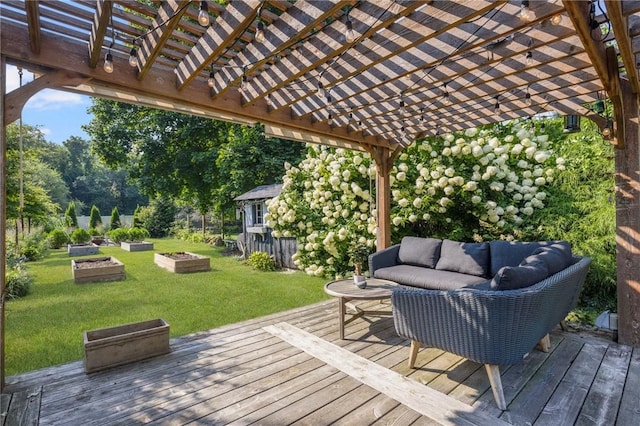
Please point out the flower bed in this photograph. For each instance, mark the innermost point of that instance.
(82, 249)
(182, 262)
(136, 246)
(97, 269)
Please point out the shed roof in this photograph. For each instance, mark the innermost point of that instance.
(262, 192)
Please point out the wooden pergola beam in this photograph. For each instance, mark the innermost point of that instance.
(60, 53)
(98, 30)
(166, 21)
(228, 26)
(33, 21)
(619, 22)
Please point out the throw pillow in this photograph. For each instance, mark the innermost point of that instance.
(466, 258)
(419, 251)
(556, 256)
(514, 277)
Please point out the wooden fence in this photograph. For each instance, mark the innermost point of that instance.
(281, 249)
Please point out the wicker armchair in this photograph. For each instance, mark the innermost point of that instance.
(487, 326)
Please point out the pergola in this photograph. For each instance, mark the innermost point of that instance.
(363, 75)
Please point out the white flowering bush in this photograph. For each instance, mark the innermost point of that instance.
(480, 182)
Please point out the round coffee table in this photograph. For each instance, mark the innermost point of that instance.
(346, 291)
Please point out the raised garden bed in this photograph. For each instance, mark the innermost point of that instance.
(136, 246)
(97, 269)
(182, 262)
(82, 249)
(108, 347)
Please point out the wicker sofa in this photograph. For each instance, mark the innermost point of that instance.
(487, 321)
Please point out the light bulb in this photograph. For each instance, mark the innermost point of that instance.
(269, 101)
(321, 92)
(446, 99)
(556, 19)
(133, 57)
(211, 81)
(403, 110)
(108, 63)
(608, 127)
(260, 33)
(243, 84)
(349, 34)
(203, 15)
(496, 107)
(330, 120)
(526, 14)
(527, 99)
(528, 58)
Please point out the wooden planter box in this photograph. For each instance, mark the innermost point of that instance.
(82, 249)
(137, 246)
(182, 262)
(108, 347)
(97, 269)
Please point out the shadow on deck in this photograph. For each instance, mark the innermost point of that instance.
(242, 374)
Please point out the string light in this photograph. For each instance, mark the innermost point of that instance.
(320, 91)
(243, 83)
(349, 34)
(526, 14)
(556, 19)
(329, 119)
(108, 62)
(269, 100)
(446, 99)
(422, 115)
(403, 110)
(260, 32)
(211, 81)
(527, 98)
(133, 56)
(496, 107)
(528, 58)
(203, 15)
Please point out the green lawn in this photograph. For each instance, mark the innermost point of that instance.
(45, 328)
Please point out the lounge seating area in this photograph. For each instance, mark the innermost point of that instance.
(488, 302)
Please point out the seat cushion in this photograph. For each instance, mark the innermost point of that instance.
(513, 277)
(465, 258)
(419, 251)
(417, 276)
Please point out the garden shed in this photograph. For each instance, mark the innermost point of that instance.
(256, 235)
(362, 75)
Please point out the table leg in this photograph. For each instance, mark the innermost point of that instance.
(341, 312)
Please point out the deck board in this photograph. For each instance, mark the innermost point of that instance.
(240, 374)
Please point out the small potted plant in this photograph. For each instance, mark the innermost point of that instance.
(359, 255)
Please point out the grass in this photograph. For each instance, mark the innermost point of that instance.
(45, 328)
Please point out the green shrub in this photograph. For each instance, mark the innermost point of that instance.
(17, 279)
(138, 234)
(137, 221)
(95, 232)
(119, 235)
(34, 246)
(80, 236)
(70, 218)
(158, 217)
(94, 217)
(58, 238)
(261, 261)
(196, 237)
(115, 219)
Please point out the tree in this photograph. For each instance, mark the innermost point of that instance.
(158, 217)
(70, 217)
(137, 221)
(194, 159)
(95, 219)
(115, 219)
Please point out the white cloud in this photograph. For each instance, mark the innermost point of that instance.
(13, 78)
(49, 99)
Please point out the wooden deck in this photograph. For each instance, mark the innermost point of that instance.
(244, 373)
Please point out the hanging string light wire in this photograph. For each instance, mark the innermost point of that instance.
(21, 170)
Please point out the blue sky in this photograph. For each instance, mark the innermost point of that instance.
(58, 114)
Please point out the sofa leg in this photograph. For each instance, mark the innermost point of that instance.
(493, 371)
(545, 343)
(413, 354)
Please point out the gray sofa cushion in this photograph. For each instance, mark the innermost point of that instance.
(466, 258)
(419, 251)
(417, 276)
(510, 253)
(513, 277)
(556, 256)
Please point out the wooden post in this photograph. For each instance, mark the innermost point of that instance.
(383, 197)
(3, 210)
(628, 222)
